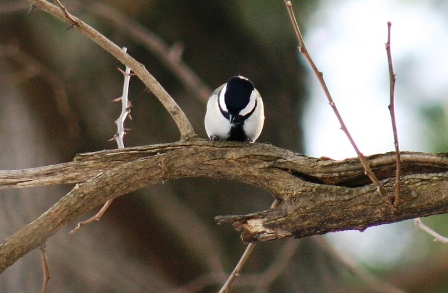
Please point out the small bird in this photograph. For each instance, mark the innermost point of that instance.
(235, 111)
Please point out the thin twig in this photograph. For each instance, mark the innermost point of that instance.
(319, 75)
(46, 270)
(239, 266)
(183, 124)
(247, 253)
(121, 132)
(392, 79)
(437, 237)
(96, 217)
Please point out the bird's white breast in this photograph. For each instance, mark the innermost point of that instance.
(215, 123)
(254, 124)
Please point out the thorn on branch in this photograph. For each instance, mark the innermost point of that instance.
(73, 22)
(125, 73)
(113, 138)
(69, 27)
(32, 6)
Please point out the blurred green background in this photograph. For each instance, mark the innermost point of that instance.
(56, 92)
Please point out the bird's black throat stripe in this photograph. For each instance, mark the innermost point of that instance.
(238, 119)
(236, 130)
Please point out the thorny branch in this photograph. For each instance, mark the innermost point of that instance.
(119, 136)
(181, 120)
(320, 77)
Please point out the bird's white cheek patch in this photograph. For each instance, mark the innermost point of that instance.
(221, 98)
(249, 106)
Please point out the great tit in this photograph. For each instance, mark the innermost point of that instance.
(235, 111)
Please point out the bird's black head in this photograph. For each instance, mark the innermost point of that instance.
(237, 94)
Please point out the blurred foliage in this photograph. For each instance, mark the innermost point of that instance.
(435, 118)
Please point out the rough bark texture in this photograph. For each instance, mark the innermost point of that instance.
(318, 195)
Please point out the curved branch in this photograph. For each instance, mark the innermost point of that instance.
(317, 195)
(181, 120)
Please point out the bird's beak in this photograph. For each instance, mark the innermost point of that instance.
(231, 118)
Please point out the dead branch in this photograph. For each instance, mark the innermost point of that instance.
(318, 196)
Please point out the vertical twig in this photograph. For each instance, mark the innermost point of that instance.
(121, 132)
(125, 107)
(46, 270)
(247, 253)
(319, 75)
(392, 79)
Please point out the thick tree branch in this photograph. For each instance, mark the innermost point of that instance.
(318, 195)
